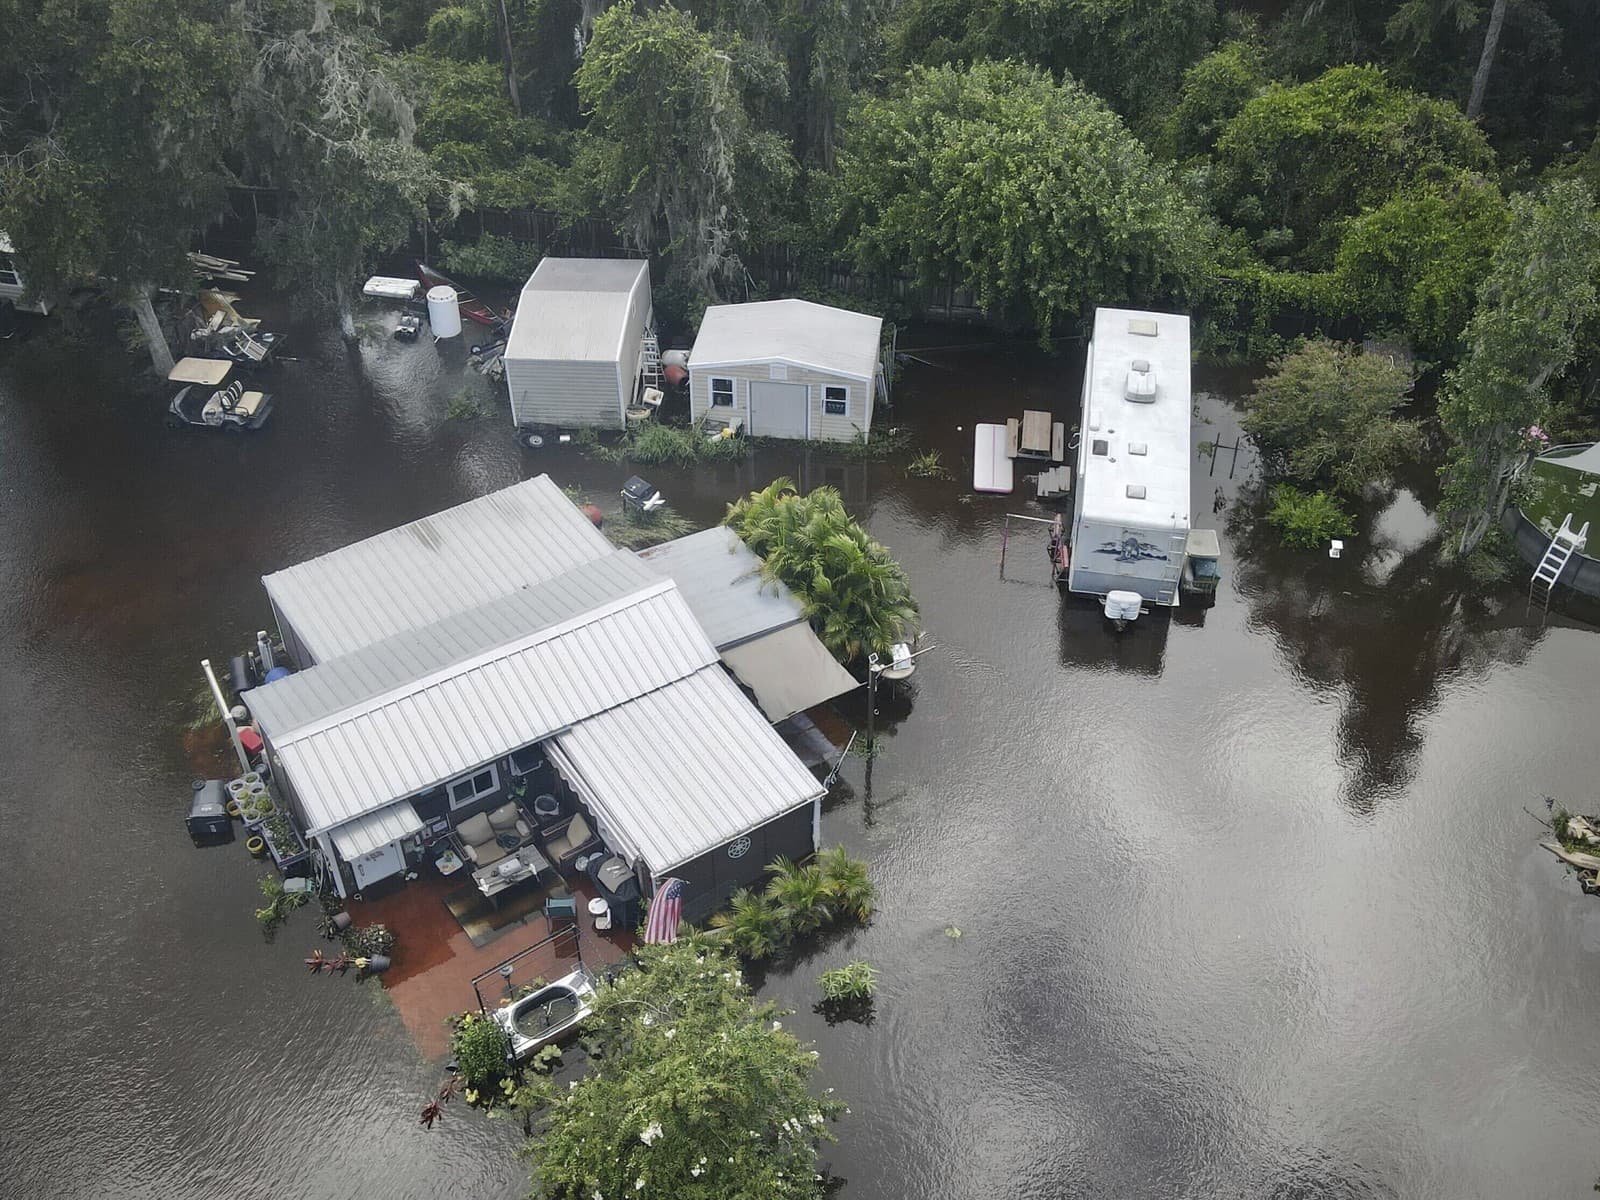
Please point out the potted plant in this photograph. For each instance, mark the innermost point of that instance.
(257, 845)
(284, 840)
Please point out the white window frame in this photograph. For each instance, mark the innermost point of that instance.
(494, 785)
(733, 392)
(9, 275)
(826, 399)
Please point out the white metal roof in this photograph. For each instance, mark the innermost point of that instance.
(721, 579)
(290, 704)
(432, 568)
(1162, 427)
(575, 309)
(796, 332)
(414, 737)
(374, 829)
(685, 769)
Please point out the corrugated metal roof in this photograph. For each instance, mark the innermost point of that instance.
(720, 577)
(430, 569)
(367, 833)
(686, 768)
(298, 700)
(791, 331)
(575, 309)
(440, 725)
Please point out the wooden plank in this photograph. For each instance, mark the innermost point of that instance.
(1035, 432)
(1058, 442)
(1012, 427)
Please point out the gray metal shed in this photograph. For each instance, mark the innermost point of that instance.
(577, 343)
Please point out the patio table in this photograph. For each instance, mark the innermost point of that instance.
(492, 880)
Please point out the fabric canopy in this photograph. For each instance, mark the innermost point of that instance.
(789, 670)
(375, 830)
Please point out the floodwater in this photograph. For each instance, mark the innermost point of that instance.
(1247, 901)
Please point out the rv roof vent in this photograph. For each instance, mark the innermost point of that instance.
(1141, 385)
(1138, 448)
(1100, 446)
(1136, 491)
(1143, 326)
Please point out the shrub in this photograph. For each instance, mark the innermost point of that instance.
(491, 257)
(1308, 519)
(369, 940)
(853, 981)
(801, 894)
(479, 1048)
(754, 926)
(1326, 414)
(927, 465)
(846, 881)
(798, 900)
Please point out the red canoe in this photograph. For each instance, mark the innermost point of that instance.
(471, 307)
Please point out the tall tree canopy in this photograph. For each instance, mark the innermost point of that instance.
(118, 116)
(1542, 287)
(1029, 191)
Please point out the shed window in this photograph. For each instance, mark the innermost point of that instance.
(471, 788)
(722, 393)
(8, 273)
(836, 401)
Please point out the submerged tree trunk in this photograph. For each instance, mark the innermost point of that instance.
(1491, 47)
(510, 58)
(347, 319)
(155, 338)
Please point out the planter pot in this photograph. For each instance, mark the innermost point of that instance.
(377, 964)
(265, 808)
(251, 779)
(232, 808)
(238, 788)
(341, 921)
(257, 846)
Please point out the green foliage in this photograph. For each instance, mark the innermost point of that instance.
(479, 1047)
(279, 903)
(1298, 158)
(465, 405)
(929, 464)
(368, 940)
(698, 1092)
(798, 900)
(753, 924)
(1327, 414)
(850, 891)
(1542, 288)
(1030, 192)
(1213, 92)
(491, 257)
(634, 530)
(671, 153)
(1308, 519)
(854, 981)
(856, 596)
(805, 903)
(1415, 261)
(652, 442)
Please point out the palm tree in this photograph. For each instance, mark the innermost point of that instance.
(847, 882)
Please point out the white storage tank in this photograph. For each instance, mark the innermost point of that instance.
(444, 312)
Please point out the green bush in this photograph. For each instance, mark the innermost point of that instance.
(753, 924)
(798, 900)
(479, 1046)
(491, 257)
(1308, 519)
(845, 878)
(804, 902)
(369, 940)
(853, 981)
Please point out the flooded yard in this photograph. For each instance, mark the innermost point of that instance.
(1247, 901)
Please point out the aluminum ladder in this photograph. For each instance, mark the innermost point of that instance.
(1562, 547)
(650, 360)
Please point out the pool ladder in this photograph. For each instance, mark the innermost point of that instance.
(1562, 547)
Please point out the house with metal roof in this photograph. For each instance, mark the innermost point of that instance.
(787, 368)
(575, 675)
(757, 624)
(580, 342)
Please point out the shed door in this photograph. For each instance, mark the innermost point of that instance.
(778, 409)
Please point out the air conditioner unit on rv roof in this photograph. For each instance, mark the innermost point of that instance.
(1141, 385)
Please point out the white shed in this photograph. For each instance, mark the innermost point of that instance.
(787, 368)
(577, 344)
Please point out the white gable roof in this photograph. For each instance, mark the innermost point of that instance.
(796, 332)
(576, 309)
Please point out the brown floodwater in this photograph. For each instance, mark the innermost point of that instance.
(1247, 901)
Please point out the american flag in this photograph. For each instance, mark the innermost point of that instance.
(665, 911)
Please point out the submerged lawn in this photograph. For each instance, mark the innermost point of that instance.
(1554, 491)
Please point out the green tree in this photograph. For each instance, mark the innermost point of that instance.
(1542, 288)
(1415, 261)
(672, 154)
(1212, 93)
(1297, 159)
(1030, 192)
(333, 130)
(698, 1093)
(1327, 413)
(857, 597)
(117, 115)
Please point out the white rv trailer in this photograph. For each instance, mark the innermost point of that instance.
(12, 285)
(1130, 518)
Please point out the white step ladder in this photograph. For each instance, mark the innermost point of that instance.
(1562, 547)
(650, 360)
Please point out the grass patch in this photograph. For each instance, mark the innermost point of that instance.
(1308, 519)
(927, 465)
(653, 444)
(885, 444)
(634, 530)
(466, 405)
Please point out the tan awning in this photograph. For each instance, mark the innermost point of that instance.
(789, 670)
(210, 371)
(375, 830)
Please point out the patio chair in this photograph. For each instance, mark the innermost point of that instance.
(566, 840)
(480, 834)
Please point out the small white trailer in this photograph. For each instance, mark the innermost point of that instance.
(1130, 517)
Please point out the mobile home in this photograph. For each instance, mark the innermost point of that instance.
(1130, 517)
(12, 286)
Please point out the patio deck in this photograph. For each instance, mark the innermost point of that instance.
(434, 960)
